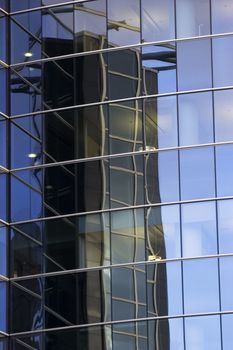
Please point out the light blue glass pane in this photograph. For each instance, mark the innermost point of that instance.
(226, 280)
(223, 111)
(225, 226)
(202, 333)
(227, 334)
(194, 64)
(197, 173)
(224, 165)
(199, 235)
(222, 61)
(222, 16)
(163, 231)
(195, 118)
(201, 292)
(174, 288)
(192, 18)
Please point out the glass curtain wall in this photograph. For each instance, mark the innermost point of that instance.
(116, 136)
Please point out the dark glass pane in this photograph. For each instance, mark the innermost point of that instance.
(3, 250)
(192, 18)
(194, 64)
(197, 173)
(195, 118)
(199, 236)
(3, 143)
(201, 286)
(3, 82)
(3, 306)
(158, 20)
(3, 203)
(2, 37)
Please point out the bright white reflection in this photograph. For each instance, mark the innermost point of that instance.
(28, 54)
(32, 155)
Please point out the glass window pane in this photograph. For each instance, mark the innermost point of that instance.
(199, 236)
(227, 334)
(3, 306)
(163, 232)
(224, 165)
(202, 333)
(197, 173)
(195, 118)
(3, 250)
(194, 64)
(157, 20)
(3, 143)
(222, 61)
(201, 286)
(222, 16)
(223, 110)
(192, 18)
(226, 283)
(225, 225)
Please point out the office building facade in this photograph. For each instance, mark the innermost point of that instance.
(116, 168)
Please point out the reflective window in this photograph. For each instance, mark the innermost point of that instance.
(194, 64)
(163, 232)
(197, 173)
(195, 118)
(199, 236)
(157, 20)
(224, 165)
(2, 37)
(223, 108)
(192, 18)
(201, 289)
(202, 333)
(222, 61)
(161, 122)
(225, 224)
(226, 283)
(3, 306)
(227, 335)
(3, 250)
(3, 143)
(222, 16)
(162, 183)
(123, 26)
(3, 82)
(3, 204)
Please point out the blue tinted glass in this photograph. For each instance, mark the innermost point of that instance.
(227, 334)
(3, 306)
(197, 173)
(2, 38)
(3, 143)
(223, 111)
(3, 250)
(3, 196)
(163, 231)
(201, 292)
(202, 333)
(226, 281)
(199, 235)
(225, 224)
(3, 90)
(222, 16)
(195, 118)
(194, 64)
(174, 288)
(224, 165)
(222, 61)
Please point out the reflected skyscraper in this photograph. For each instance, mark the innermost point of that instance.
(115, 174)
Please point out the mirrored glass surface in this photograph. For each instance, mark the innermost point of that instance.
(160, 122)
(202, 333)
(201, 285)
(60, 244)
(197, 173)
(163, 232)
(225, 225)
(224, 159)
(3, 196)
(123, 26)
(3, 250)
(192, 18)
(3, 126)
(161, 176)
(195, 118)
(222, 58)
(3, 81)
(221, 16)
(194, 64)
(3, 305)
(157, 20)
(223, 108)
(227, 336)
(226, 283)
(3, 37)
(199, 234)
